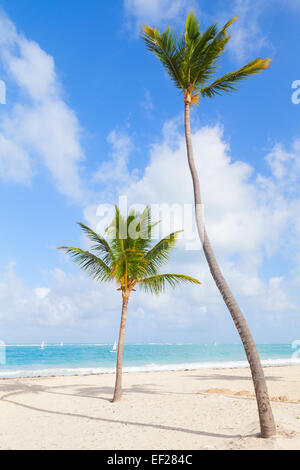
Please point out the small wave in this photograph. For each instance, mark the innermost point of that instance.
(154, 367)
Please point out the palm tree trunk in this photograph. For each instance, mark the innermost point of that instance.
(118, 385)
(267, 423)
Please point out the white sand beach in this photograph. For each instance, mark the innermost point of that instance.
(204, 409)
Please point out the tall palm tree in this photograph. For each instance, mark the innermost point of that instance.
(191, 60)
(128, 257)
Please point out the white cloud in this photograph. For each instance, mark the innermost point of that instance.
(33, 70)
(74, 303)
(42, 292)
(14, 162)
(239, 213)
(285, 164)
(247, 35)
(277, 299)
(156, 12)
(115, 169)
(251, 220)
(113, 174)
(39, 124)
(68, 300)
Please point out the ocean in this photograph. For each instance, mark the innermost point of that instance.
(72, 359)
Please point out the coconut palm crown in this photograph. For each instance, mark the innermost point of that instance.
(128, 257)
(130, 261)
(191, 59)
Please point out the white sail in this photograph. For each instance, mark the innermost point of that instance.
(61, 344)
(114, 349)
(43, 345)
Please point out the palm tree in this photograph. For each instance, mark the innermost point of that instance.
(191, 60)
(128, 257)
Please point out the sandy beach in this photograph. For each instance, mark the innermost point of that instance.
(204, 409)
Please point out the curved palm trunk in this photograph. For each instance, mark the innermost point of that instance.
(267, 423)
(118, 385)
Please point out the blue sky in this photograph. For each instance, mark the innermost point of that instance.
(90, 115)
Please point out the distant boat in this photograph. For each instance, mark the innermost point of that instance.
(114, 349)
(61, 344)
(43, 345)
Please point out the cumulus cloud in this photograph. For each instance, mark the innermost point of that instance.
(285, 164)
(251, 219)
(248, 35)
(39, 124)
(76, 306)
(111, 178)
(68, 300)
(14, 162)
(238, 211)
(115, 170)
(156, 12)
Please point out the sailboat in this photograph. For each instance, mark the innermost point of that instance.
(114, 349)
(61, 344)
(43, 345)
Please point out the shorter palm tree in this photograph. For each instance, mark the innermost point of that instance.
(128, 257)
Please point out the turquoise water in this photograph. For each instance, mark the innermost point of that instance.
(70, 359)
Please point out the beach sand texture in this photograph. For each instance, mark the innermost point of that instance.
(204, 409)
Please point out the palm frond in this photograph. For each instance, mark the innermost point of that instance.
(159, 254)
(140, 228)
(229, 23)
(192, 27)
(165, 48)
(157, 284)
(136, 264)
(202, 43)
(101, 245)
(225, 83)
(94, 266)
(205, 68)
(204, 62)
(117, 233)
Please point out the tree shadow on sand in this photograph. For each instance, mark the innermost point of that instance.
(82, 391)
(37, 389)
(232, 377)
